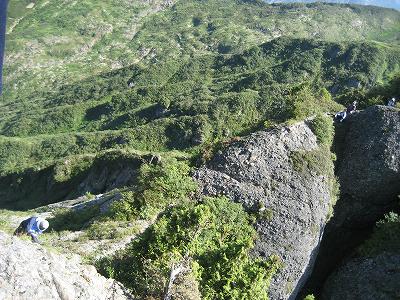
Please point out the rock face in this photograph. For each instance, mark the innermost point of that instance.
(366, 278)
(27, 271)
(293, 206)
(369, 166)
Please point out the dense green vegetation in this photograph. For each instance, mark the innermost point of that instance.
(181, 104)
(203, 78)
(377, 95)
(158, 186)
(210, 239)
(57, 43)
(92, 87)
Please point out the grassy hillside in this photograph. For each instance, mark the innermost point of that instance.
(125, 97)
(383, 3)
(177, 77)
(183, 103)
(56, 43)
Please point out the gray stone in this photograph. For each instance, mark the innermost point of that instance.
(369, 278)
(257, 172)
(367, 145)
(28, 271)
(368, 166)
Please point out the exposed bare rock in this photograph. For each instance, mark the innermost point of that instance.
(369, 166)
(28, 271)
(366, 278)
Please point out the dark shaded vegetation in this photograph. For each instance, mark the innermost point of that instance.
(377, 95)
(73, 220)
(385, 237)
(69, 178)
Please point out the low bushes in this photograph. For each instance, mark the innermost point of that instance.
(385, 238)
(157, 186)
(211, 239)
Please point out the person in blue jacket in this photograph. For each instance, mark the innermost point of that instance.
(3, 18)
(392, 102)
(32, 227)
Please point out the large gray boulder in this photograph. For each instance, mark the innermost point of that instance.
(293, 204)
(368, 278)
(367, 145)
(368, 166)
(28, 271)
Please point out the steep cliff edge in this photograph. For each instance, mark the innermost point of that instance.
(279, 174)
(28, 271)
(368, 167)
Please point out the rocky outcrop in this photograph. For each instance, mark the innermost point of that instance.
(367, 145)
(368, 166)
(292, 204)
(366, 278)
(28, 271)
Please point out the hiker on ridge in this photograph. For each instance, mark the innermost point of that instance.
(352, 108)
(340, 116)
(32, 227)
(392, 102)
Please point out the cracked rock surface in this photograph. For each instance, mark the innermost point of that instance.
(28, 271)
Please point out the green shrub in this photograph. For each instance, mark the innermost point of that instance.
(158, 185)
(75, 220)
(161, 185)
(322, 126)
(69, 167)
(318, 161)
(103, 230)
(308, 99)
(385, 238)
(214, 237)
(123, 209)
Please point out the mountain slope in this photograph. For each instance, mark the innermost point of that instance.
(181, 104)
(70, 47)
(193, 73)
(383, 3)
(126, 98)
